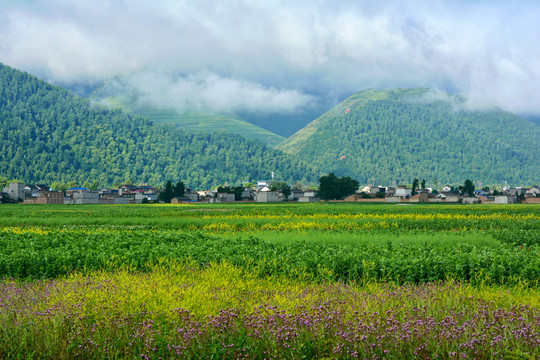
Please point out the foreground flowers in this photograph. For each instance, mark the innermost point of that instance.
(180, 310)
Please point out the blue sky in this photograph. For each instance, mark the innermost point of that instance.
(280, 56)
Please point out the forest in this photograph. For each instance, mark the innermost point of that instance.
(49, 134)
(390, 137)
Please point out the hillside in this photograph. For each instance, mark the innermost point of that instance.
(188, 120)
(49, 134)
(393, 136)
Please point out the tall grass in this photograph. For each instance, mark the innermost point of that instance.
(179, 310)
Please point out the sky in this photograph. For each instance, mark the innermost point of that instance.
(279, 57)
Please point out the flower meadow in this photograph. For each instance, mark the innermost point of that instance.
(276, 281)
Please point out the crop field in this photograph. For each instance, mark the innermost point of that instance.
(273, 281)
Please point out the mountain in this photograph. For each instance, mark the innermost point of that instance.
(163, 105)
(194, 120)
(49, 134)
(393, 136)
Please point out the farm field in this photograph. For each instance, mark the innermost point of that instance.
(253, 281)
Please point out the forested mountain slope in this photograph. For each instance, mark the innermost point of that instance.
(160, 108)
(48, 134)
(393, 136)
(195, 120)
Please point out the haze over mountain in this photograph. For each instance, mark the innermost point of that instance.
(49, 134)
(280, 64)
(176, 110)
(393, 136)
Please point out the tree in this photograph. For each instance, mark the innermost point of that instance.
(59, 186)
(286, 191)
(414, 187)
(423, 184)
(94, 186)
(167, 194)
(467, 188)
(3, 182)
(72, 184)
(333, 187)
(179, 189)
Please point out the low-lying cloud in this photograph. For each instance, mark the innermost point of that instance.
(279, 53)
(205, 91)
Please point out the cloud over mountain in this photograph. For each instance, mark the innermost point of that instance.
(264, 52)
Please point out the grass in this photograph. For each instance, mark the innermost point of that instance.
(177, 310)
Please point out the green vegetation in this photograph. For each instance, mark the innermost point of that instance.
(393, 136)
(48, 135)
(332, 187)
(325, 280)
(193, 120)
(349, 241)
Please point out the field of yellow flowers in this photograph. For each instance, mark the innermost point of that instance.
(280, 281)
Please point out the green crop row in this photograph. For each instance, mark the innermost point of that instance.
(51, 253)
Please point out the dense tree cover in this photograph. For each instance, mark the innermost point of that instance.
(51, 135)
(467, 188)
(332, 187)
(393, 136)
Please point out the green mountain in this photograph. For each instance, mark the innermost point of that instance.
(49, 134)
(190, 120)
(393, 136)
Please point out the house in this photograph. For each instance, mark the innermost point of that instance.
(535, 190)
(33, 190)
(191, 195)
(470, 200)
(46, 197)
(84, 197)
(422, 197)
(403, 191)
(15, 191)
(113, 200)
(30, 191)
(481, 192)
(505, 199)
(308, 199)
(268, 196)
(262, 183)
(221, 197)
(377, 189)
(486, 199)
(449, 197)
(518, 191)
(296, 194)
(446, 189)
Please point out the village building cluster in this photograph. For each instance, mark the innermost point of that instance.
(447, 194)
(131, 194)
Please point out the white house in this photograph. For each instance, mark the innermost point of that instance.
(446, 188)
(402, 191)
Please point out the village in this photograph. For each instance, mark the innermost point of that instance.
(261, 192)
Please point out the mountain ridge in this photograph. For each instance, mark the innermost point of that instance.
(393, 136)
(50, 134)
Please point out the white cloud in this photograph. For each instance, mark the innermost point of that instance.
(207, 91)
(487, 50)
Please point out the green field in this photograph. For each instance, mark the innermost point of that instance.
(326, 280)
